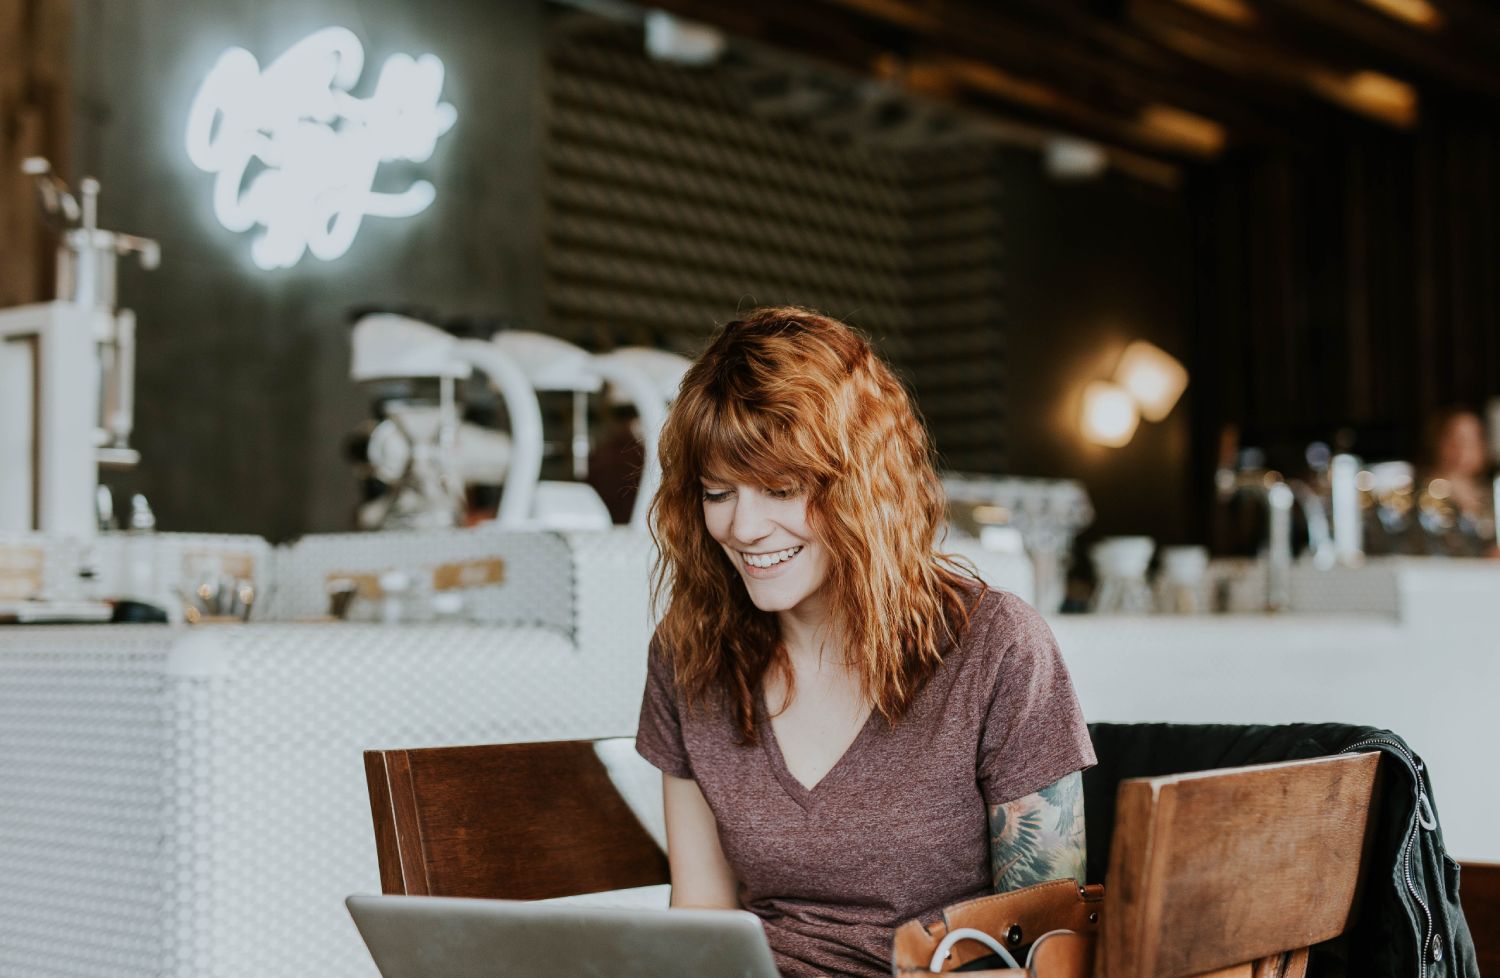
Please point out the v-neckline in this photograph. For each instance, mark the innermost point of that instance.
(799, 792)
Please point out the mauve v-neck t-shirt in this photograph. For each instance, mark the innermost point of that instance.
(898, 828)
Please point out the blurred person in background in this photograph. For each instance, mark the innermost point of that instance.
(1456, 500)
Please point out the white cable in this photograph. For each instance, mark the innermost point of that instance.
(1038, 943)
(970, 934)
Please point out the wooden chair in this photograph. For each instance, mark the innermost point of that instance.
(1481, 903)
(1237, 871)
(1230, 873)
(511, 821)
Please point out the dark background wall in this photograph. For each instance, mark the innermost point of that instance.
(1091, 266)
(243, 391)
(1349, 284)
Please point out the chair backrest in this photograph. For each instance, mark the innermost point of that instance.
(1220, 868)
(508, 821)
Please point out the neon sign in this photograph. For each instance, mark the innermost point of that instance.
(293, 152)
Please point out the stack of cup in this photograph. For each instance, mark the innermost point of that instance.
(1182, 582)
(1120, 565)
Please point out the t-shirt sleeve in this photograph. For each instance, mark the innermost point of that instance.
(1034, 732)
(658, 738)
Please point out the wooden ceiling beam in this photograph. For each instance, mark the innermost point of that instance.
(1353, 31)
(1134, 129)
(1475, 19)
(1150, 71)
(1271, 63)
(1243, 51)
(1097, 61)
(884, 39)
(982, 85)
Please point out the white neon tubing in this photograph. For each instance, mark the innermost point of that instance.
(315, 149)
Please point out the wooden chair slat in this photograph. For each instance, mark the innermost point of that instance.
(510, 821)
(1212, 870)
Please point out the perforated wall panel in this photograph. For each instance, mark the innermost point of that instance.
(681, 197)
(83, 736)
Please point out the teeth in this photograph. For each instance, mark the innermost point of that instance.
(771, 560)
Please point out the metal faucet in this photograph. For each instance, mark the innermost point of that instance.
(1320, 548)
(1279, 498)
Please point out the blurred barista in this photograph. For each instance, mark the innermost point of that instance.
(1456, 502)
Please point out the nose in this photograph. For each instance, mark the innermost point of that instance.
(752, 519)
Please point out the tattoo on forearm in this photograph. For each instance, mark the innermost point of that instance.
(1039, 837)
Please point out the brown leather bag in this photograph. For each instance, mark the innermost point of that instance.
(1015, 920)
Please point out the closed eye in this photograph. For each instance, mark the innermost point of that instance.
(711, 496)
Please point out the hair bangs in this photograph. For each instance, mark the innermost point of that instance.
(741, 443)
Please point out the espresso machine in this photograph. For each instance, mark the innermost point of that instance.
(425, 456)
(67, 372)
(419, 447)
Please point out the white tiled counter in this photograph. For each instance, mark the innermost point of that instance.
(190, 802)
(182, 803)
(1430, 672)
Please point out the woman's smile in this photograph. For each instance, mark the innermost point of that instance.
(767, 564)
(766, 534)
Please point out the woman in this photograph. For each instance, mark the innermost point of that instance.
(1455, 502)
(852, 731)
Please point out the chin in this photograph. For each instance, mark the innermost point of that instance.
(771, 599)
(771, 603)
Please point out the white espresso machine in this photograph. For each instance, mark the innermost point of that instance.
(67, 372)
(426, 455)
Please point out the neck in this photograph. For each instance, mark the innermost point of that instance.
(807, 633)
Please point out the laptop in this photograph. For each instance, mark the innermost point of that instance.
(451, 937)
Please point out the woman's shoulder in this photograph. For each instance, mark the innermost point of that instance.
(999, 617)
(1009, 645)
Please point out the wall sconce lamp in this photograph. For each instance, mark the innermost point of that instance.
(1148, 383)
(1153, 377)
(1109, 414)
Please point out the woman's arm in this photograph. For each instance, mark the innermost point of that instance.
(1037, 838)
(701, 876)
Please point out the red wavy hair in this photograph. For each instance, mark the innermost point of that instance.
(788, 398)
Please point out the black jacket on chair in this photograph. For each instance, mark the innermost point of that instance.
(1409, 923)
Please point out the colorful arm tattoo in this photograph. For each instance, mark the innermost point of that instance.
(1039, 837)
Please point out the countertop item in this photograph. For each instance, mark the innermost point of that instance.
(54, 612)
(1120, 565)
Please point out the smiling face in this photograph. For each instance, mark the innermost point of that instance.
(767, 537)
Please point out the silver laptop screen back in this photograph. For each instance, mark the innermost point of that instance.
(444, 937)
